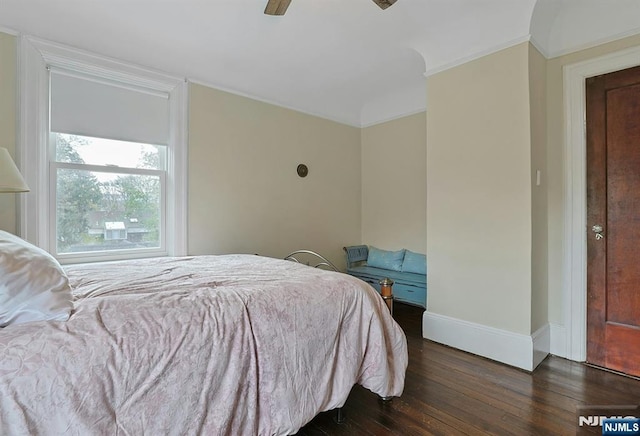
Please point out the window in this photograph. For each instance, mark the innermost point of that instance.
(103, 149)
(109, 194)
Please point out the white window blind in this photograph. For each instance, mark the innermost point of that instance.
(93, 107)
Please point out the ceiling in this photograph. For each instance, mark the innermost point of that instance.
(345, 60)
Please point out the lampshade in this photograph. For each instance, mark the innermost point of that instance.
(10, 178)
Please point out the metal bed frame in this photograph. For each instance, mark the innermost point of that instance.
(323, 262)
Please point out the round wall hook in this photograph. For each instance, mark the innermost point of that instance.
(302, 170)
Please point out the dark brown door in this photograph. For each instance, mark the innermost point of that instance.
(613, 203)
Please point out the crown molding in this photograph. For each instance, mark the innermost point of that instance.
(9, 31)
(395, 117)
(339, 120)
(539, 46)
(594, 43)
(348, 122)
(477, 55)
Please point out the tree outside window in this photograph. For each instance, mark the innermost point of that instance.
(108, 194)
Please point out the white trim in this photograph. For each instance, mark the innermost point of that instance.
(347, 122)
(477, 55)
(541, 339)
(574, 242)
(178, 166)
(539, 46)
(80, 61)
(106, 81)
(9, 31)
(593, 43)
(504, 346)
(33, 88)
(558, 345)
(276, 103)
(34, 58)
(395, 117)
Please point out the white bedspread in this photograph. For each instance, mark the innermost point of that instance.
(233, 345)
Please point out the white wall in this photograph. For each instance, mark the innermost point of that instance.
(394, 184)
(244, 193)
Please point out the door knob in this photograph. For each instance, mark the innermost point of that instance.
(597, 229)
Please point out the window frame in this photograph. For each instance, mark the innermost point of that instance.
(36, 222)
(106, 255)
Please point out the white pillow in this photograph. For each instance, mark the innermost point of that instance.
(33, 285)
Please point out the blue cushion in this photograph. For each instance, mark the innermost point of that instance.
(414, 262)
(376, 274)
(385, 259)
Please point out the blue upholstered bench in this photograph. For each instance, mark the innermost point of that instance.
(407, 269)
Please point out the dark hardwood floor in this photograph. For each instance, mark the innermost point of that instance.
(450, 392)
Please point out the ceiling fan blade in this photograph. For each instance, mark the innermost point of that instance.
(278, 7)
(384, 4)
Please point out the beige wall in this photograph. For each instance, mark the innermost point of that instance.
(8, 105)
(244, 193)
(394, 184)
(555, 143)
(479, 191)
(539, 249)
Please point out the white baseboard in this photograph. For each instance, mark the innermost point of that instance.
(541, 339)
(521, 351)
(558, 340)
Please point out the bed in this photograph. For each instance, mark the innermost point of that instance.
(234, 344)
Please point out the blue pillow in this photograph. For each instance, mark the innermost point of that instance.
(414, 263)
(385, 259)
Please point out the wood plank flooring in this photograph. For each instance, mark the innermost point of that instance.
(450, 392)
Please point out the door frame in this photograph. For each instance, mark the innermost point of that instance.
(574, 244)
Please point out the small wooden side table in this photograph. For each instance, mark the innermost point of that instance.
(386, 290)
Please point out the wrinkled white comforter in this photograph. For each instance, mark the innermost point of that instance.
(211, 345)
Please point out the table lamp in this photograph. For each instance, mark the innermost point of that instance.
(10, 178)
